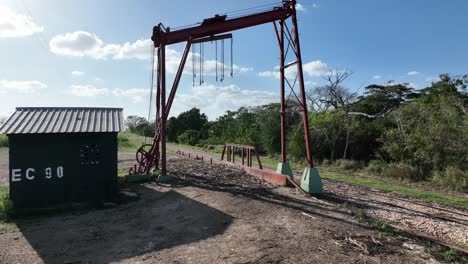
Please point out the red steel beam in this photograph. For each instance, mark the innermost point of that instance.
(302, 89)
(282, 92)
(180, 70)
(162, 72)
(221, 26)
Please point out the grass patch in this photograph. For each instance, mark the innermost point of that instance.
(421, 194)
(129, 142)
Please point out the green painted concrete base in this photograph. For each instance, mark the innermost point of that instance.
(311, 181)
(284, 168)
(164, 178)
(138, 178)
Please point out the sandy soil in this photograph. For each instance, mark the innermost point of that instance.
(208, 214)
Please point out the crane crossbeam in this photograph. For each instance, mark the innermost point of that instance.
(219, 24)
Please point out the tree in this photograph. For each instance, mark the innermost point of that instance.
(191, 119)
(334, 97)
(430, 132)
(133, 121)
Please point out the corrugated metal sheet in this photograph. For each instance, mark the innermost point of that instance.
(30, 120)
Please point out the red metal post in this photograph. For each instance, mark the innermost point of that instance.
(180, 70)
(305, 118)
(158, 110)
(258, 159)
(224, 150)
(242, 155)
(282, 92)
(162, 69)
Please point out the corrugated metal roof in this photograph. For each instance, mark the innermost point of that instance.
(30, 120)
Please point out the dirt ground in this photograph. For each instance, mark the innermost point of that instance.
(442, 222)
(208, 214)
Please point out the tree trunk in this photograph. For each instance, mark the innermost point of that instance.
(346, 143)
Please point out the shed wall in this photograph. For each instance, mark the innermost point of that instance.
(51, 169)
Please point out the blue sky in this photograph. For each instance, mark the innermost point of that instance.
(96, 53)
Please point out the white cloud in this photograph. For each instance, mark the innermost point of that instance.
(77, 73)
(14, 25)
(140, 49)
(413, 73)
(26, 87)
(85, 44)
(376, 77)
(215, 100)
(315, 5)
(136, 94)
(315, 68)
(310, 83)
(300, 7)
(88, 90)
(211, 99)
(432, 79)
(81, 44)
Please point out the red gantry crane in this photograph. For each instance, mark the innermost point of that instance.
(150, 156)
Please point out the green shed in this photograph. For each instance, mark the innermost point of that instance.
(61, 155)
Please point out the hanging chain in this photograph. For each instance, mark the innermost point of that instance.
(232, 57)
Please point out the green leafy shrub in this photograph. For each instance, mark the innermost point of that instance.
(403, 172)
(376, 167)
(3, 141)
(452, 178)
(6, 206)
(123, 141)
(347, 164)
(189, 137)
(325, 162)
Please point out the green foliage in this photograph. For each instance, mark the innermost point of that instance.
(6, 206)
(3, 140)
(189, 137)
(123, 141)
(376, 167)
(452, 178)
(430, 132)
(403, 172)
(139, 125)
(188, 120)
(347, 164)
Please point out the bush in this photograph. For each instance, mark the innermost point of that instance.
(189, 137)
(376, 167)
(403, 172)
(325, 162)
(3, 141)
(123, 141)
(6, 206)
(347, 164)
(452, 178)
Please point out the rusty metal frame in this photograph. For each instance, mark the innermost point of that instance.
(210, 29)
(246, 152)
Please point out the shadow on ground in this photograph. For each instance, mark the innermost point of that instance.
(158, 221)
